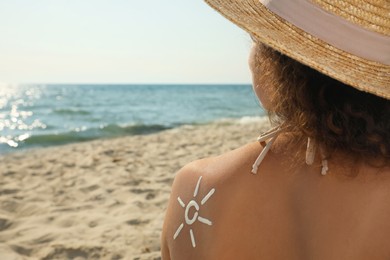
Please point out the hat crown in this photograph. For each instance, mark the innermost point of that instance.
(373, 15)
(334, 37)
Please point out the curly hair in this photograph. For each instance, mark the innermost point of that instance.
(311, 104)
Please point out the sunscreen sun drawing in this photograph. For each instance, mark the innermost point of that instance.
(193, 204)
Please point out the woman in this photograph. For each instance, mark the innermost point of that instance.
(320, 188)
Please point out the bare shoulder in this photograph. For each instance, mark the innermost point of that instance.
(197, 193)
(215, 171)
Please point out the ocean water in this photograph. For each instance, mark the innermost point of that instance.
(47, 115)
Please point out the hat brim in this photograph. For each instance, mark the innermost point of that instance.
(272, 30)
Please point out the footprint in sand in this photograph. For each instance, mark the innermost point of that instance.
(5, 224)
(90, 188)
(21, 250)
(8, 191)
(137, 222)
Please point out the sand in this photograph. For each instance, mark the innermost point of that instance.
(103, 199)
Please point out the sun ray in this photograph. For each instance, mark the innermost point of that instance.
(192, 238)
(181, 202)
(197, 187)
(205, 221)
(178, 231)
(191, 212)
(205, 199)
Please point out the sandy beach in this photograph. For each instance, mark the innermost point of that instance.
(103, 199)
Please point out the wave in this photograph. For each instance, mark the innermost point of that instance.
(108, 131)
(71, 112)
(111, 131)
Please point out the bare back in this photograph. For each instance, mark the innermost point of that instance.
(280, 213)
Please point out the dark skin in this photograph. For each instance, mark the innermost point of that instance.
(287, 211)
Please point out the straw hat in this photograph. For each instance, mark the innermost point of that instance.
(348, 40)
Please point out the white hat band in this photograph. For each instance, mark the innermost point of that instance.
(333, 29)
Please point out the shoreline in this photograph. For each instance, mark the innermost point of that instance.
(149, 130)
(102, 199)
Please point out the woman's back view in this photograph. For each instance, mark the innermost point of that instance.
(280, 213)
(318, 185)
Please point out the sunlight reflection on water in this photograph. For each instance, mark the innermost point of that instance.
(16, 117)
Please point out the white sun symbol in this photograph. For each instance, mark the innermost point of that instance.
(193, 204)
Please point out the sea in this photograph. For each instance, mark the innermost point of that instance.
(41, 115)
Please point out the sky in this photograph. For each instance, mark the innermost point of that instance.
(119, 41)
